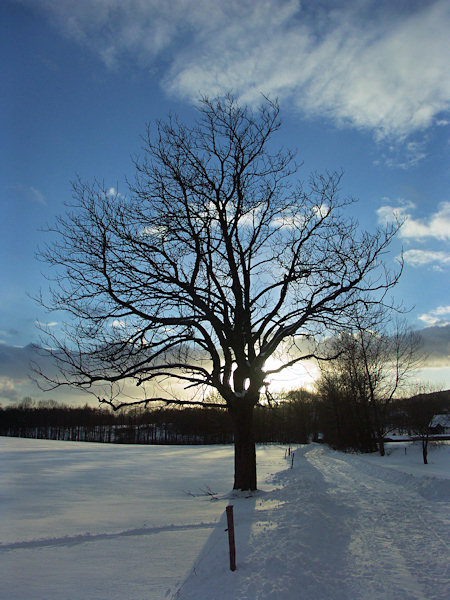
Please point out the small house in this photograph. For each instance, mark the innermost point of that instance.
(440, 424)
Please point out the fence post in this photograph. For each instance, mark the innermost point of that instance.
(230, 529)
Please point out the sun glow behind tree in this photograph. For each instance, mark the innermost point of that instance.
(217, 260)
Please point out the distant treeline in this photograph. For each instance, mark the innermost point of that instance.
(348, 422)
(297, 417)
(287, 422)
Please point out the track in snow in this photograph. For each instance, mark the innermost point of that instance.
(398, 546)
(337, 528)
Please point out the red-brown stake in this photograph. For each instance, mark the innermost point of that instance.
(230, 523)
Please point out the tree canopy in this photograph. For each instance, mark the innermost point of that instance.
(215, 258)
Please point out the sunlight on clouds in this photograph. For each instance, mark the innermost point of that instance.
(437, 225)
(438, 317)
(373, 65)
(301, 375)
(419, 258)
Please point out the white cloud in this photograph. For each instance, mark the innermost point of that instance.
(388, 213)
(376, 65)
(436, 226)
(438, 317)
(369, 70)
(114, 193)
(419, 258)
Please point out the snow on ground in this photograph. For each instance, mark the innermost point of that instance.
(98, 522)
(104, 522)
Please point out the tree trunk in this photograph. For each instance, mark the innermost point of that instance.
(244, 447)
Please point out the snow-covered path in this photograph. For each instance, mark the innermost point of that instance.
(339, 527)
(398, 540)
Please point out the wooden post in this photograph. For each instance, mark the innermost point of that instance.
(292, 459)
(230, 529)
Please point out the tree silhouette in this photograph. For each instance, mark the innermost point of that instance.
(376, 359)
(420, 410)
(215, 259)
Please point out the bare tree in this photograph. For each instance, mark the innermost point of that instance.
(420, 410)
(375, 360)
(389, 359)
(344, 412)
(214, 259)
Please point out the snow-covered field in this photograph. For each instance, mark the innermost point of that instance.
(83, 521)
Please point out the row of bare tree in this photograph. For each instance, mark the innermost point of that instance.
(300, 416)
(360, 388)
(287, 422)
(349, 423)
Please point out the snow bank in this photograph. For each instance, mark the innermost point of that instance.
(403, 464)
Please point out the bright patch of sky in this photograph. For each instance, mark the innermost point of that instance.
(363, 86)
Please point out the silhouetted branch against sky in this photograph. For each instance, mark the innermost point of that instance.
(363, 87)
(215, 258)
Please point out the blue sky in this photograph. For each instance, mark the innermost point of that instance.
(363, 86)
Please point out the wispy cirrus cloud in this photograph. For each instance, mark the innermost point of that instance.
(42, 325)
(375, 65)
(29, 193)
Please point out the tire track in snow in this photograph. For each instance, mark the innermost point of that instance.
(88, 537)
